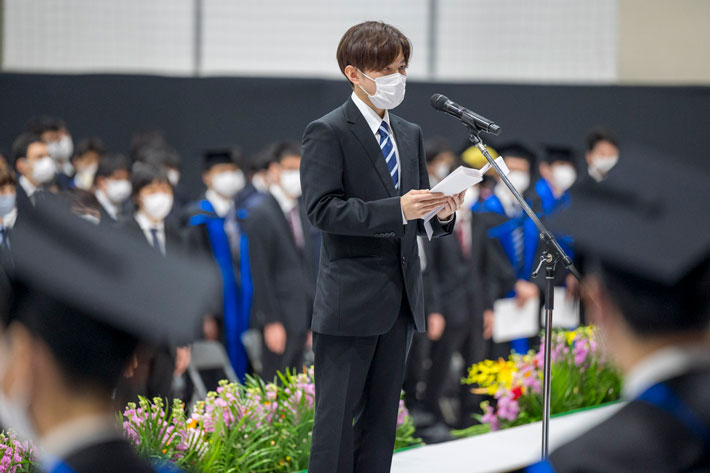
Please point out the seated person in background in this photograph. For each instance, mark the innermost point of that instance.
(557, 174)
(112, 187)
(282, 260)
(215, 228)
(34, 166)
(653, 313)
(602, 153)
(86, 161)
(514, 231)
(8, 216)
(68, 339)
(440, 159)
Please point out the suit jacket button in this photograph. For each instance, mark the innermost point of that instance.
(404, 261)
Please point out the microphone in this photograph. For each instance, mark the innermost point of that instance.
(443, 104)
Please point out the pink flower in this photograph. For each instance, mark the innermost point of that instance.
(508, 408)
(490, 418)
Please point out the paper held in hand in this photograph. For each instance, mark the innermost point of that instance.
(458, 181)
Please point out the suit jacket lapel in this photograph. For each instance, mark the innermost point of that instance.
(407, 156)
(364, 135)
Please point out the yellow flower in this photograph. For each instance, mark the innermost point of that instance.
(570, 337)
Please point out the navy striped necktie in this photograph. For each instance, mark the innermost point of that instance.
(389, 153)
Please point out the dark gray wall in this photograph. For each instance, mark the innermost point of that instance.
(199, 113)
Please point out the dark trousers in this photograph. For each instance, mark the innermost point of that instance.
(415, 371)
(292, 357)
(358, 383)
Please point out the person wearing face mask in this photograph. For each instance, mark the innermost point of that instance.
(282, 255)
(112, 187)
(602, 153)
(516, 236)
(365, 186)
(152, 196)
(215, 227)
(165, 157)
(439, 159)
(35, 168)
(65, 341)
(60, 145)
(89, 152)
(557, 175)
(8, 217)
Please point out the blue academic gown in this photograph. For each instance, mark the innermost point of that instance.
(523, 266)
(237, 292)
(550, 205)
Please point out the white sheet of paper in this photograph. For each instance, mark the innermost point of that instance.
(512, 322)
(458, 181)
(566, 313)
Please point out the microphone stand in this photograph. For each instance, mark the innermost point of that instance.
(551, 256)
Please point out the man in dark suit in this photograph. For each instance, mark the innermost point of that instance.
(653, 313)
(281, 254)
(35, 168)
(112, 187)
(365, 186)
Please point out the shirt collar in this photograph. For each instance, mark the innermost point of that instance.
(75, 435)
(371, 117)
(286, 203)
(662, 365)
(221, 205)
(147, 224)
(8, 221)
(110, 208)
(28, 187)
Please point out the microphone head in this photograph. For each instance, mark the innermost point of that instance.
(438, 101)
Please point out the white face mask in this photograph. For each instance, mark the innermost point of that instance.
(14, 408)
(173, 177)
(84, 178)
(563, 177)
(441, 171)
(389, 91)
(158, 205)
(291, 183)
(118, 190)
(62, 149)
(259, 183)
(43, 170)
(228, 183)
(604, 164)
(470, 197)
(520, 180)
(7, 203)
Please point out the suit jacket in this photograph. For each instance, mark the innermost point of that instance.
(459, 280)
(282, 274)
(369, 259)
(173, 238)
(643, 437)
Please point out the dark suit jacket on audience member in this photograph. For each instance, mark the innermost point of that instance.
(116, 456)
(282, 273)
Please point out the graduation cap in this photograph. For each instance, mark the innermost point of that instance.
(554, 153)
(93, 292)
(648, 218)
(221, 156)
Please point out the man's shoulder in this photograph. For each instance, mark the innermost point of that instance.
(335, 118)
(400, 122)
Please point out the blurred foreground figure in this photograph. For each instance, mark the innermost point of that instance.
(65, 341)
(645, 235)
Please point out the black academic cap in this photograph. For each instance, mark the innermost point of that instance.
(554, 153)
(518, 150)
(108, 276)
(221, 156)
(649, 218)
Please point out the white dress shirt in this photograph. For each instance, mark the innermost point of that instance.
(221, 205)
(28, 187)
(147, 226)
(110, 208)
(663, 365)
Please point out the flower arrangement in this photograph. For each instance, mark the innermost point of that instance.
(256, 427)
(16, 456)
(581, 377)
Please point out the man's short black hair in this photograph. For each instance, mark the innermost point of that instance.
(92, 143)
(650, 307)
(159, 156)
(598, 135)
(286, 148)
(434, 147)
(112, 163)
(144, 174)
(44, 123)
(22, 143)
